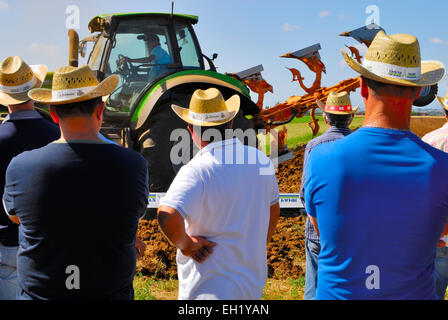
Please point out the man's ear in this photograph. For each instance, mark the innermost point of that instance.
(53, 114)
(190, 129)
(364, 88)
(325, 117)
(418, 93)
(99, 111)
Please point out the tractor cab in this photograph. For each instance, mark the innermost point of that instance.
(142, 49)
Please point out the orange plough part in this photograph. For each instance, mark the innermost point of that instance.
(259, 87)
(297, 106)
(355, 53)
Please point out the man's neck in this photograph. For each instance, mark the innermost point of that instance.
(78, 129)
(28, 106)
(389, 115)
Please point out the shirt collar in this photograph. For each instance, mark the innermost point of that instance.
(336, 129)
(23, 115)
(218, 144)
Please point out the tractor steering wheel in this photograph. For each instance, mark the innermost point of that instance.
(124, 65)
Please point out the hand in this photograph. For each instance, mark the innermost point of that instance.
(140, 248)
(198, 248)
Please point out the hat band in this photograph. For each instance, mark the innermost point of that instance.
(390, 70)
(69, 94)
(339, 108)
(20, 88)
(209, 117)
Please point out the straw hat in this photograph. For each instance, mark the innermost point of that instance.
(71, 84)
(337, 103)
(395, 59)
(443, 102)
(208, 108)
(17, 78)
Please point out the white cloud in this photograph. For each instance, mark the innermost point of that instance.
(48, 50)
(3, 5)
(290, 27)
(342, 16)
(436, 40)
(342, 64)
(324, 13)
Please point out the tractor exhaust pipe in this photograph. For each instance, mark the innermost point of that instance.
(73, 48)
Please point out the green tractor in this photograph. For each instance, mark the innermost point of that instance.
(138, 113)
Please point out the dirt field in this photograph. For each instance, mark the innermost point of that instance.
(422, 125)
(286, 253)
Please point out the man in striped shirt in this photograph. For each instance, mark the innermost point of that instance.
(339, 122)
(439, 139)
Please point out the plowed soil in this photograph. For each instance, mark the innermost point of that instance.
(285, 252)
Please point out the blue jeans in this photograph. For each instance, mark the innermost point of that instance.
(8, 272)
(312, 249)
(441, 272)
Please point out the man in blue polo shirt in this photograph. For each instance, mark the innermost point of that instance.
(379, 197)
(23, 129)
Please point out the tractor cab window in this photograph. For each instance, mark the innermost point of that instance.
(189, 52)
(141, 55)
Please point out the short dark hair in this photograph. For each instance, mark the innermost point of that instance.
(391, 89)
(151, 37)
(77, 109)
(339, 120)
(201, 131)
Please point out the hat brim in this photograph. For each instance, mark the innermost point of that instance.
(40, 71)
(431, 73)
(321, 105)
(104, 88)
(443, 102)
(233, 106)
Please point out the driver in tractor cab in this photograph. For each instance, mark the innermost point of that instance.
(158, 58)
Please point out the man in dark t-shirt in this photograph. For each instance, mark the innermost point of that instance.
(78, 199)
(23, 129)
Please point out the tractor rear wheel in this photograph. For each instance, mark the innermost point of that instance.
(156, 147)
(427, 96)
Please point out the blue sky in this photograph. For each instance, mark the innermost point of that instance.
(243, 33)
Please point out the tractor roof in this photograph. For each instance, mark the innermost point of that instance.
(97, 22)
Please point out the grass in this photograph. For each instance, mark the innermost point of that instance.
(147, 288)
(300, 133)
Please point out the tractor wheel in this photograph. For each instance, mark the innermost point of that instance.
(427, 96)
(156, 147)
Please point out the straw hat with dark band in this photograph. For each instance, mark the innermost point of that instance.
(337, 103)
(72, 85)
(395, 59)
(17, 78)
(208, 108)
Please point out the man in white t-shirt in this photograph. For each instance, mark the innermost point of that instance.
(222, 207)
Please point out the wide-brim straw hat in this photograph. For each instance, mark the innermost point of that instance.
(337, 103)
(208, 108)
(71, 85)
(443, 102)
(17, 78)
(395, 59)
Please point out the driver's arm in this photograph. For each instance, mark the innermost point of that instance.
(142, 60)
